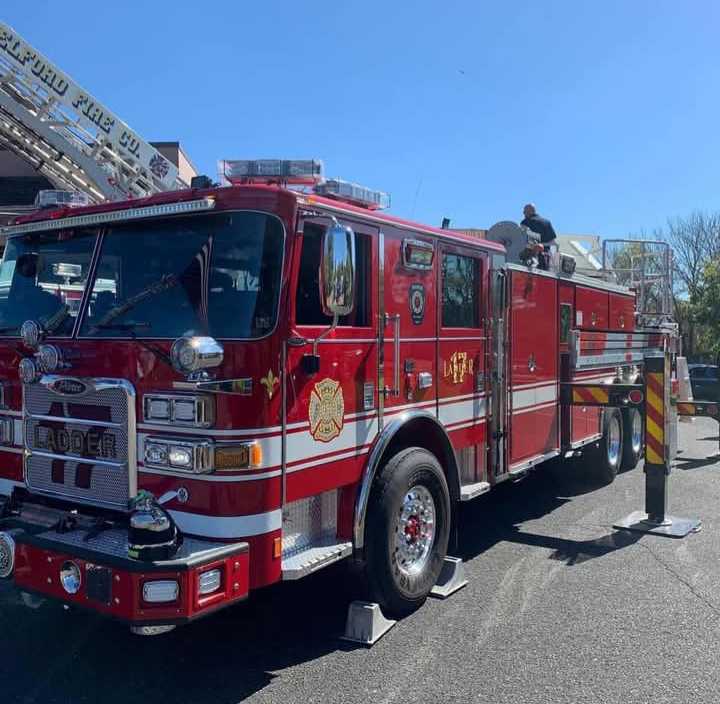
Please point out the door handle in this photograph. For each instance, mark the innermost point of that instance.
(395, 320)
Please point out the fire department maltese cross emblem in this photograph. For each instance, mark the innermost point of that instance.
(327, 408)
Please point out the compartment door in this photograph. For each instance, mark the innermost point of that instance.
(533, 421)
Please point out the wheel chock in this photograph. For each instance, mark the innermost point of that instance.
(366, 624)
(451, 579)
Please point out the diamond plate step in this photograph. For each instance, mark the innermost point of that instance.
(313, 558)
(471, 491)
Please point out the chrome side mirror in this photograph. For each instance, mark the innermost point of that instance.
(193, 355)
(337, 270)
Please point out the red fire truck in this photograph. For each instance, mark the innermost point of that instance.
(264, 378)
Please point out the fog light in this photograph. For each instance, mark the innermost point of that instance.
(70, 577)
(7, 554)
(161, 591)
(209, 582)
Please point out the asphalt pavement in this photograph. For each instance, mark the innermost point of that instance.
(560, 607)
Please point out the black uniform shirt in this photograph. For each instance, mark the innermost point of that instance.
(541, 226)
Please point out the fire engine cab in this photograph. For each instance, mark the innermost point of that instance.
(261, 379)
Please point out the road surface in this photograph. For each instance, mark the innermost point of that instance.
(560, 608)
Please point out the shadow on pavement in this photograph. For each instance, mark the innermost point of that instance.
(57, 656)
(574, 552)
(686, 463)
(499, 517)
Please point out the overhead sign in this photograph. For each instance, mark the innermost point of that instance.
(57, 95)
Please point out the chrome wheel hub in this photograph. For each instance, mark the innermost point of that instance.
(415, 530)
(613, 440)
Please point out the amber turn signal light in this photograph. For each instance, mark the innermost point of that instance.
(230, 458)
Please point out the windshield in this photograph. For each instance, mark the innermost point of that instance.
(213, 275)
(43, 278)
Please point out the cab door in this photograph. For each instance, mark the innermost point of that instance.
(332, 402)
(407, 369)
(462, 382)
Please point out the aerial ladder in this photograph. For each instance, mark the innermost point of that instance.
(69, 136)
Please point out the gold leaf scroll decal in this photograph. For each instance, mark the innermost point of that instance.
(327, 409)
(270, 382)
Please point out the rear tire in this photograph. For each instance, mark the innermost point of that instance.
(605, 461)
(407, 532)
(633, 438)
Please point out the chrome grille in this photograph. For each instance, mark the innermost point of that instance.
(81, 447)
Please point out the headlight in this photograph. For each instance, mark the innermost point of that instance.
(157, 408)
(156, 453)
(180, 457)
(194, 456)
(7, 427)
(70, 577)
(176, 409)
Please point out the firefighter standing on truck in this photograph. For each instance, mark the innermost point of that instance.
(543, 227)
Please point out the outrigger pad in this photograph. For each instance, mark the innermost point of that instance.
(451, 579)
(671, 527)
(366, 623)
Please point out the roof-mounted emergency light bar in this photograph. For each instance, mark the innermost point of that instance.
(151, 211)
(354, 193)
(301, 172)
(61, 199)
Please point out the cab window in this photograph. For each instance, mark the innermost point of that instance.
(460, 291)
(308, 310)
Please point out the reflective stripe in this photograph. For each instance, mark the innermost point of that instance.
(463, 411)
(525, 398)
(228, 526)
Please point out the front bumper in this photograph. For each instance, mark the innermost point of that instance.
(113, 584)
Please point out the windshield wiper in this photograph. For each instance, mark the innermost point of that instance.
(163, 284)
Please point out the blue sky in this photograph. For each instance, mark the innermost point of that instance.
(605, 114)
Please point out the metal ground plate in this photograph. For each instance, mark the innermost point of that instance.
(674, 527)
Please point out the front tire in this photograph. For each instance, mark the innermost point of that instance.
(407, 532)
(605, 461)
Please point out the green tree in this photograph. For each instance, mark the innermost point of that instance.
(706, 307)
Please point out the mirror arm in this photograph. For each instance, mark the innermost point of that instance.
(324, 334)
